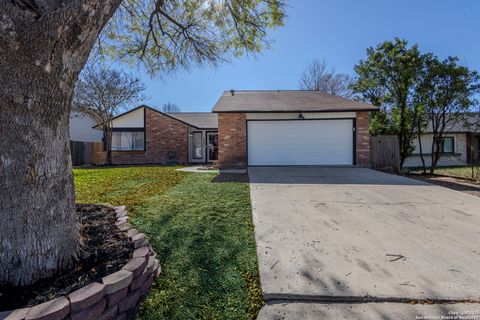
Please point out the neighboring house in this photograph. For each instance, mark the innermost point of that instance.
(249, 128)
(461, 146)
(81, 128)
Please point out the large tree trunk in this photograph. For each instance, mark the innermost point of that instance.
(43, 46)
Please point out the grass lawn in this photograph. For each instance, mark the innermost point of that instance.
(201, 230)
(460, 172)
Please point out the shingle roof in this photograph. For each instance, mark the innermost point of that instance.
(467, 125)
(200, 120)
(286, 101)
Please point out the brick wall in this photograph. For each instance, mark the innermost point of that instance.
(232, 137)
(163, 134)
(362, 139)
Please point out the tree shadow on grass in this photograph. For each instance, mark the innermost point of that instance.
(206, 255)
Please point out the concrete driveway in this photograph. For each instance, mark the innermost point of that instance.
(338, 234)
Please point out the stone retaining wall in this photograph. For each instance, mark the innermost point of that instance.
(117, 296)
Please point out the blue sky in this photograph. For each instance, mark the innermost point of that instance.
(336, 30)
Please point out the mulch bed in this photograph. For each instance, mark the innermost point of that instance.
(105, 250)
(231, 177)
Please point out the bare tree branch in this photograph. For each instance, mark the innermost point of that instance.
(102, 93)
(170, 107)
(319, 77)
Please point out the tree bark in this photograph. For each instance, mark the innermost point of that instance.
(43, 47)
(436, 150)
(108, 143)
(420, 147)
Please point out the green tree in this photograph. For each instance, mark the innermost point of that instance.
(44, 45)
(447, 92)
(381, 123)
(388, 77)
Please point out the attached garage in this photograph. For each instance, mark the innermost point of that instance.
(291, 127)
(300, 142)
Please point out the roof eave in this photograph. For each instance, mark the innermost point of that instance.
(154, 110)
(294, 111)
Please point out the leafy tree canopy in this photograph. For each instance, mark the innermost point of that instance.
(165, 35)
(447, 92)
(388, 77)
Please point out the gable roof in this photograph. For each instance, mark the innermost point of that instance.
(286, 101)
(200, 120)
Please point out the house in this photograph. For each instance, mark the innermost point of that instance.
(81, 128)
(460, 147)
(291, 127)
(249, 128)
(146, 135)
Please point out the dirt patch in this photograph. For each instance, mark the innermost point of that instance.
(458, 184)
(105, 250)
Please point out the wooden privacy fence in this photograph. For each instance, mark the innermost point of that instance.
(385, 152)
(84, 153)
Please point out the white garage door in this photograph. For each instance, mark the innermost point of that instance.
(300, 142)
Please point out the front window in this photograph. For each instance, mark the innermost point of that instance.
(197, 145)
(448, 145)
(128, 140)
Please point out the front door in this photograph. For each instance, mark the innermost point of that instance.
(212, 146)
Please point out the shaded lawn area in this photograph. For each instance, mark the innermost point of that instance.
(202, 232)
(457, 172)
(460, 172)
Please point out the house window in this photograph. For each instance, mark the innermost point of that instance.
(128, 140)
(448, 145)
(197, 145)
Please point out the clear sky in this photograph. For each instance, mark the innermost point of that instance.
(336, 30)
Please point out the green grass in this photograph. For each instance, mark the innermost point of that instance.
(124, 185)
(202, 232)
(460, 172)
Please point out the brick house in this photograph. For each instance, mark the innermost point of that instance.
(249, 128)
(291, 127)
(144, 135)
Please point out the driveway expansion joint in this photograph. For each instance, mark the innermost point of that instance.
(281, 298)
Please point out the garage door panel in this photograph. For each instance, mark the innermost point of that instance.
(300, 142)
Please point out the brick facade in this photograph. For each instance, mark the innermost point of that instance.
(163, 134)
(232, 139)
(232, 135)
(362, 147)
